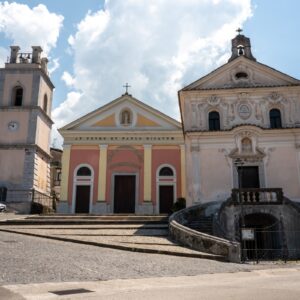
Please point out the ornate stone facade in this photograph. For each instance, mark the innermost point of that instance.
(243, 111)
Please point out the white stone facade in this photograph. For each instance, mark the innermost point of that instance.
(242, 92)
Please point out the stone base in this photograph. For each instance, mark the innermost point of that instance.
(63, 207)
(145, 208)
(101, 208)
(19, 207)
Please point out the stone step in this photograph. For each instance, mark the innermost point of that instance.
(87, 220)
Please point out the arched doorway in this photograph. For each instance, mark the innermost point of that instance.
(83, 189)
(268, 237)
(166, 187)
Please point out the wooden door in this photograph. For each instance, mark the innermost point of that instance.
(166, 199)
(82, 199)
(124, 194)
(249, 177)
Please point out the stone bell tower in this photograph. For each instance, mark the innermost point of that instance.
(25, 125)
(241, 46)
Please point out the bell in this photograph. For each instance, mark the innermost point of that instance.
(241, 51)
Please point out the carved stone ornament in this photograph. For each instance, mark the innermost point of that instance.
(244, 111)
(213, 100)
(275, 97)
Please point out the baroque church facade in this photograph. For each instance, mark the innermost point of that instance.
(242, 116)
(25, 125)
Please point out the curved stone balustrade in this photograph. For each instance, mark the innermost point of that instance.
(179, 232)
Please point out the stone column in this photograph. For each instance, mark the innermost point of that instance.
(183, 171)
(102, 173)
(147, 172)
(65, 173)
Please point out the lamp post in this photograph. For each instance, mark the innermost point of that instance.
(239, 167)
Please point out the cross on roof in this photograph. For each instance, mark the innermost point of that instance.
(239, 30)
(126, 86)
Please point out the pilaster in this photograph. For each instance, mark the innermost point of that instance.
(183, 171)
(102, 173)
(65, 173)
(147, 172)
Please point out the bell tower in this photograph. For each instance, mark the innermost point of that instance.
(25, 125)
(241, 46)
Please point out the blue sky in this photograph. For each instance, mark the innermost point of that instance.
(158, 46)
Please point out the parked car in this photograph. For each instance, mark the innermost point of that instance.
(2, 207)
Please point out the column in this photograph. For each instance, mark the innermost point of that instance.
(65, 173)
(183, 171)
(102, 173)
(147, 172)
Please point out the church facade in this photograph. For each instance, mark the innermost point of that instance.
(243, 116)
(124, 157)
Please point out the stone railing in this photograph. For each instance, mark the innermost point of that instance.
(179, 232)
(257, 196)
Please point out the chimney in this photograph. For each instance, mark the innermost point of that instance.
(14, 51)
(36, 54)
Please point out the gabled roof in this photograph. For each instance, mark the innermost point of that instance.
(103, 118)
(217, 78)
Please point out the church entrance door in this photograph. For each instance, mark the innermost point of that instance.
(124, 194)
(166, 199)
(82, 199)
(249, 176)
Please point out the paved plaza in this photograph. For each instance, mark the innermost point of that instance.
(34, 267)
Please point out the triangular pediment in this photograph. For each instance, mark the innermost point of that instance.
(124, 114)
(240, 73)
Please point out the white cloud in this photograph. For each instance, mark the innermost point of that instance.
(66, 108)
(67, 79)
(157, 46)
(28, 27)
(4, 53)
(54, 65)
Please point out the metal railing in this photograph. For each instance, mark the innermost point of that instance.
(257, 196)
(41, 198)
(272, 245)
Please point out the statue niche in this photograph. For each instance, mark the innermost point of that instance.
(126, 117)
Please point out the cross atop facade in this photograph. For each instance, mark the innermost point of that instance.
(239, 30)
(126, 86)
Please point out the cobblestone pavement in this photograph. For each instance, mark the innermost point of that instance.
(25, 259)
(143, 237)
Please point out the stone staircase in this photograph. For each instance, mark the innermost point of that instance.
(202, 224)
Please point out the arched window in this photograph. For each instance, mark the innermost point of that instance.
(275, 118)
(45, 103)
(84, 171)
(214, 120)
(166, 171)
(18, 96)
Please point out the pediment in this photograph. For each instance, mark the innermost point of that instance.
(124, 114)
(242, 73)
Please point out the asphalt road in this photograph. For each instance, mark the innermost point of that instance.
(276, 284)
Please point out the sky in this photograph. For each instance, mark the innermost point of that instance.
(157, 46)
